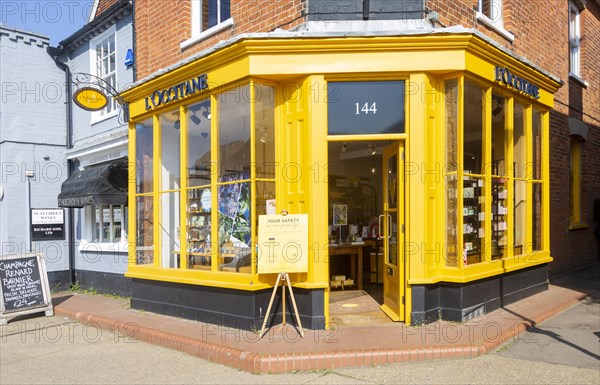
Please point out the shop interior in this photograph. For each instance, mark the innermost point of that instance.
(355, 203)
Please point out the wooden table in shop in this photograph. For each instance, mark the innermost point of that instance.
(356, 260)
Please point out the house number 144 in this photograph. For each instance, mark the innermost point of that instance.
(365, 109)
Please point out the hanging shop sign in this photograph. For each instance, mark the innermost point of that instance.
(282, 243)
(504, 76)
(176, 92)
(47, 224)
(90, 99)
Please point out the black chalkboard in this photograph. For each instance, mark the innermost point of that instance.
(21, 284)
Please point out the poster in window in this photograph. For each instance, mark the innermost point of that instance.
(340, 215)
(234, 210)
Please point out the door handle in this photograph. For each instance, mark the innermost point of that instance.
(380, 223)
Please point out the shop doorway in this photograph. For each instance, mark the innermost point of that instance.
(366, 215)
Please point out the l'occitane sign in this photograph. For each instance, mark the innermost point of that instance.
(176, 92)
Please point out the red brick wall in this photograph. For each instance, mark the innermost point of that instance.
(103, 5)
(161, 26)
(541, 31)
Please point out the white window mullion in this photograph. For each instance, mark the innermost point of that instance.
(218, 11)
(111, 229)
(123, 224)
(100, 222)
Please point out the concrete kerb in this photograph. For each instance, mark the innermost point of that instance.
(290, 362)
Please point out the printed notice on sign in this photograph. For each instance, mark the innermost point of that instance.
(47, 224)
(282, 243)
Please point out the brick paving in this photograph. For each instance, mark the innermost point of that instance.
(283, 350)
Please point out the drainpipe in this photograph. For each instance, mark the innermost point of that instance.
(54, 53)
(28, 175)
(365, 10)
(133, 40)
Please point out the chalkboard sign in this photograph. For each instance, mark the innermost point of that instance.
(23, 286)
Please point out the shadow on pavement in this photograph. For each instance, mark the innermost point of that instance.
(58, 300)
(586, 279)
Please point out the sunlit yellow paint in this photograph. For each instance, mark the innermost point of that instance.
(298, 70)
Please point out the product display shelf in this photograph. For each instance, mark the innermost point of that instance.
(198, 231)
(499, 217)
(473, 219)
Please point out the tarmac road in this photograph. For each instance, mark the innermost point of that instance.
(55, 350)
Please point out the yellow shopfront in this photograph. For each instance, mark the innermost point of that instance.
(421, 161)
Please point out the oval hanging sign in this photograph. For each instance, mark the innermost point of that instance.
(90, 99)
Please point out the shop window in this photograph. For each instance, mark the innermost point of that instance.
(520, 187)
(536, 174)
(144, 237)
(199, 226)
(208, 17)
(233, 181)
(199, 196)
(264, 115)
(500, 170)
(473, 179)
(264, 131)
(574, 40)
(536, 142)
(170, 129)
(169, 155)
(144, 142)
(575, 217)
(144, 174)
(198, 139)
(108, 224)
(169, 230)
(233, 197)
(451, 106)
(498, 181)
(536, 228)
(103, 59)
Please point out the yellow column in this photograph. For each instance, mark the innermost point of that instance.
(131, 199)
(183, 184)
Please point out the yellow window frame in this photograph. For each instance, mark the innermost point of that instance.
(511, 262)
(212, 277)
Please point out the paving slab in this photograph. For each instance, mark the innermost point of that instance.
(344, 345)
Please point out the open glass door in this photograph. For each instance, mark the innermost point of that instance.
(391, 229)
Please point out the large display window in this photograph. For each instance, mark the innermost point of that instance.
(205, 171)
(494, 179)
(144, 181)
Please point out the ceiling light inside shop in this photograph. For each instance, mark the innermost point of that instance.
(195, 119)
(206, 113)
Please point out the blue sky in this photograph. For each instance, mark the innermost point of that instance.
(56, 19)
